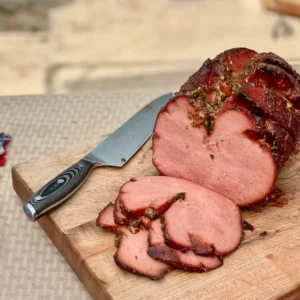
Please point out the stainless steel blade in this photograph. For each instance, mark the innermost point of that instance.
(121, 145)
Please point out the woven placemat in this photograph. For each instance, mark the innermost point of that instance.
(30, 266)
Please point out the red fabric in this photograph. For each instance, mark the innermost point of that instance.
(2, 161)
(3, 148)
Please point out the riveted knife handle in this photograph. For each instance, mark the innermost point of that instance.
(58, 189)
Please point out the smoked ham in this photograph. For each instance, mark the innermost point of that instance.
(220, 143)
(232, 126)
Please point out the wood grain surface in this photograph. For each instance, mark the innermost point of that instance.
(264, 266)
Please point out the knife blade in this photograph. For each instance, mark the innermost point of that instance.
(114, 151)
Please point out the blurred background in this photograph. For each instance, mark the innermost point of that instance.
(67, 46)
(54, 46)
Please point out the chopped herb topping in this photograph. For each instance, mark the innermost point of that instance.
(209, 124)
(150, 213)
(179, 196)
(120, 222)
(118, 237)
(134, 226)
(288, 104)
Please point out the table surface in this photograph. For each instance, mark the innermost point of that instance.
(30, 266)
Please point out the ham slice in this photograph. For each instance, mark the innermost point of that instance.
(180, 260)
(132, 256)
(275, 60)
(132, 248)
(106, 218)
(205, 222)
(201, 207)
(149, 196)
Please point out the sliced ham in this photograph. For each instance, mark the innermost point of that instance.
(205, 222)
(132, 248)
(149, 196)
(133, 223)
(181, 260)
(132, 256)
(106, 218)
(220, 142)
(213, 74)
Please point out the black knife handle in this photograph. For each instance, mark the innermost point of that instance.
(58, 189)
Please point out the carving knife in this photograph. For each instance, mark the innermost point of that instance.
(114, 151)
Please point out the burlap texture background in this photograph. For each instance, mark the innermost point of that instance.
(30, 266)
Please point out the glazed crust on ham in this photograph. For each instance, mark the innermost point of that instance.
(188, 260)
(267, 103)
(232, 126)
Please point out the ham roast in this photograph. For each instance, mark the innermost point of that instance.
(232, 125)
(220, 143)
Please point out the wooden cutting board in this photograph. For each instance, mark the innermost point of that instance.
(264, 267)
